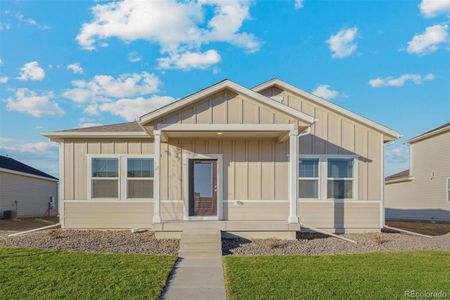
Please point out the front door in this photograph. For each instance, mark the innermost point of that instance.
(202, 187)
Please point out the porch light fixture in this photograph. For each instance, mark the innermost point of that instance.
(219, 133)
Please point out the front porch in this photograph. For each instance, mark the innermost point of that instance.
(255, 175)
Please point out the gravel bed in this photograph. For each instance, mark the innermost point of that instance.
(316, 244)
(93, 241)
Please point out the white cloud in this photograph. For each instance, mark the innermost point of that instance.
(428, 41)
(298, 4)
(396, 154)
(432, 8)
(87, 124)
(134, 57)
(401, 80)
(103, 87)
(190, 60)
(12, 145)
(31, 71)
(324, 91)
(30, 102)
(343, 43)
(75, 68)
(19, 16)
(3, 79)
(176, 26)
(130, 109)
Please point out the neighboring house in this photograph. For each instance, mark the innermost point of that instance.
(25, 190)
(264, 159)
(423, 191)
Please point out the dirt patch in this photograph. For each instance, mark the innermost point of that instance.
(26, 223)
(316, 244)
(421, 227)
(93, 241)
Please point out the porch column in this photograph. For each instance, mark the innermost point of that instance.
(156, 198)
(293, 176)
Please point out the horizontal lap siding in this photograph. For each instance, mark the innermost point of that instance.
(340, 215)
(425, 197)
(120, 215)
(32, 194)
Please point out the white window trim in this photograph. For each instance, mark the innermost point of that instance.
(323, 176)
(122, 178)
(448, 189)
(319, 173)
(126, 178)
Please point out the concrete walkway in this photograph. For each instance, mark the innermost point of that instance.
(198, 273)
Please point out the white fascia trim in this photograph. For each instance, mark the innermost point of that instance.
(226, 127)
(95, 134)
(328, 104)
(427, 135)
(215, 88)
(27, 174)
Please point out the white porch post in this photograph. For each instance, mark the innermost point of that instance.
(293, 176)
(61, 185)
(156, 198)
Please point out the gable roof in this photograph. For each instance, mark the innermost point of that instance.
(284, 85)
(11, 164)
(433, 132)
(224, 84)
(399, 175)
(119, 127)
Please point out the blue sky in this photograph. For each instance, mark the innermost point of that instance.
(66, 64)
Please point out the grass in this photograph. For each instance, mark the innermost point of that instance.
(45, 274)
(356, 276)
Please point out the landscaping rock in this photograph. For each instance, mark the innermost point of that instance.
(106, 241)
(317, 244)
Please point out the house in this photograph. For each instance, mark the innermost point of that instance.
(26, 191)
(257, 160)
(423, 191)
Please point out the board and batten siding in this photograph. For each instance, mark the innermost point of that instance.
(227, 107)
(335, 133)
(80, 213)
(425, 197)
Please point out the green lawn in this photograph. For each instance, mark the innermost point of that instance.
(356, 276)
(44, 274)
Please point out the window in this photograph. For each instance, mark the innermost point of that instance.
(340, 179)
(448, 189)
(308, 186)
(140, 178)
(105, 178)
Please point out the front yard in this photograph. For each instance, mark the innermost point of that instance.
(355, 276)
(48, 274)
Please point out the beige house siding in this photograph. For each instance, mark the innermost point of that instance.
(113, 215)
(340, 215)
(335, 133)
(32, 194)
(255, 170)
(227, 107)
(425, 197)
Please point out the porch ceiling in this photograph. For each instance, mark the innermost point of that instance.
(224, 134)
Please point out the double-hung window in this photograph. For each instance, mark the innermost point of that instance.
(140, 178)
(340, 179)
(105, 178)
(120, 177)
(308, 185)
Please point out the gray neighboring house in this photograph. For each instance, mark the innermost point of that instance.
(423, 191)
(25, 190)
